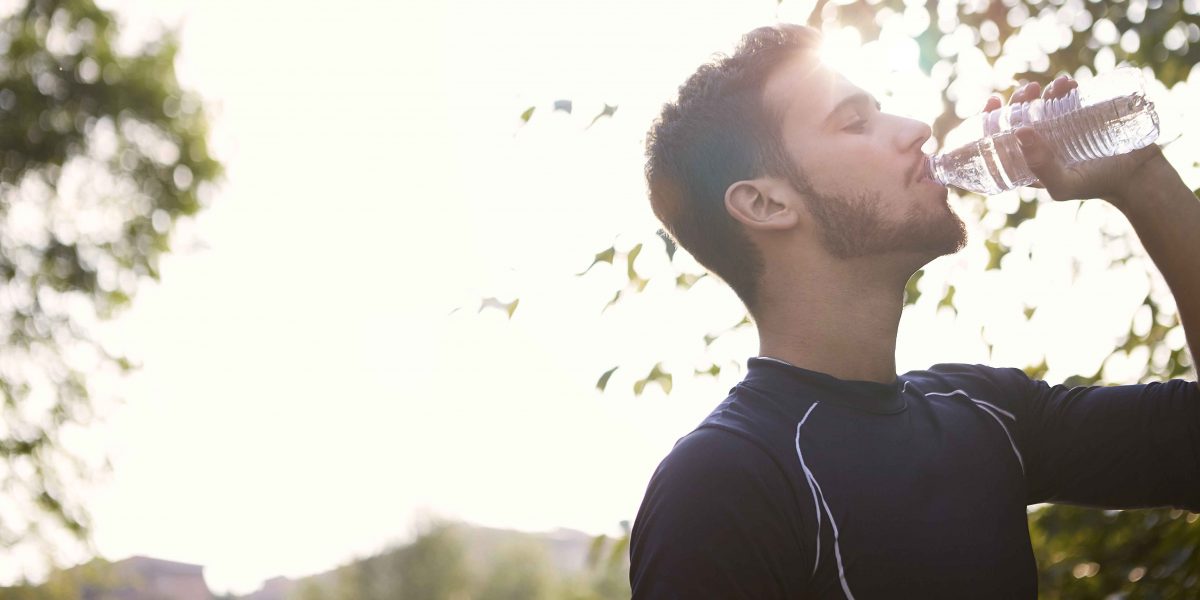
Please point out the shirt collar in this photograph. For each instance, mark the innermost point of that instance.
(777, 376)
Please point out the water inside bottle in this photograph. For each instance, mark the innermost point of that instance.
(990, 165)
(994, 163)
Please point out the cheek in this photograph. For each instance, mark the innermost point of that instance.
(846, 166)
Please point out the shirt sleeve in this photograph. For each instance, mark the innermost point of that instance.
(1133, 446)
(717, 521)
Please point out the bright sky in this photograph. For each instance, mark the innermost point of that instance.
(306, 393)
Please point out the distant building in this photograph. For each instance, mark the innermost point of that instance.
(276, 588)
(144, 578)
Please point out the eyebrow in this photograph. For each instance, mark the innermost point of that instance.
(852, 99)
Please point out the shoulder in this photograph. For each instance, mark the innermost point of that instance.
(979, 378)
(719, 520)
(713, 456)
(714, 476)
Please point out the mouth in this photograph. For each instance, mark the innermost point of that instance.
(919, 170)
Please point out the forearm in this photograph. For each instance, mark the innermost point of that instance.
(1166, 216)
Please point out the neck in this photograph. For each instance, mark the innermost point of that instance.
(841, 322)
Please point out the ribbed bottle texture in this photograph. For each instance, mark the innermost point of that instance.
(1106, 116)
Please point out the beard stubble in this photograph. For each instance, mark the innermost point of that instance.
(854, 227)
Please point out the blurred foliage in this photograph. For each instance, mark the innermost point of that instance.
(608, 567)
(520, 572)
(96, 579)
(1088, 553)
(101, 152)
(1082, 553)
(439, 565)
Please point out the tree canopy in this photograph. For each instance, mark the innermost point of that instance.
(101, 153)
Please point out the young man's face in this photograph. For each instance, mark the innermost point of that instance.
(862, 171)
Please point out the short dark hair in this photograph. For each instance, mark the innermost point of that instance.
(717, 132)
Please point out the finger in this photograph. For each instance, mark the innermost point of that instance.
(991, 115)
(1060, 87)
(1025, 93)
(1038, 156)
(1016, 95)
(1035, 89)
(1068, 86)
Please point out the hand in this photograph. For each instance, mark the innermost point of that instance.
(1113, 178)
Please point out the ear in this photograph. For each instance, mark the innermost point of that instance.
(756, 205)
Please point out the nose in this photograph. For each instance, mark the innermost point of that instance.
(912, 134)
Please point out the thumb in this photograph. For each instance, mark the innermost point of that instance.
(1038, 155)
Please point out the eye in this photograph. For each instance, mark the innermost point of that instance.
(857, 127)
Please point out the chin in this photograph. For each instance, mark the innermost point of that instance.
(937, 235)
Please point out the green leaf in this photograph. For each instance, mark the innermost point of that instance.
(603, 383)
(604, 256)
(616, 296)
(712, 337)
(608, 111)
(527, 114)
(1026, 210)
(657, 375)
(507, 307)
(685, 281)
(911, 293)
(996, 251)
(629, 258)
(665, 380)
(1037, 371)
(947, 300)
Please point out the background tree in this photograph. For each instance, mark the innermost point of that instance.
(520, 572)
(434, 566)
(607, 576)
(101, 153)
(970, 48)
(451, 560)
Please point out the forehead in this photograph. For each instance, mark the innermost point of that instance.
(802, 91)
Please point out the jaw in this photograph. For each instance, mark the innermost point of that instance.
(852, 237)
(922, 238)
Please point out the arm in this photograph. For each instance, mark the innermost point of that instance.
(1147, 189)
(1133, 446)
(1166, 216)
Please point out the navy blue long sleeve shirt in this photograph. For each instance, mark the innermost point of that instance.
(801, 485)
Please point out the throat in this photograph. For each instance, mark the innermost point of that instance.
(848, 338)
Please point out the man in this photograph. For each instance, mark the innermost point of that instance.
(823, 474)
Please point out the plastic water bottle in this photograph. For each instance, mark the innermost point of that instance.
(1106, 116)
